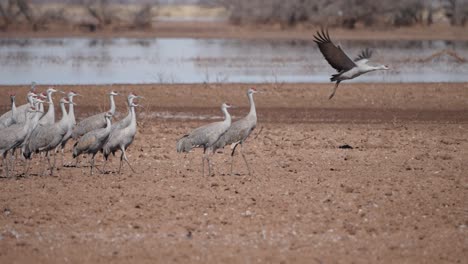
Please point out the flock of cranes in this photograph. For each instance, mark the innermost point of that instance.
(28, 129)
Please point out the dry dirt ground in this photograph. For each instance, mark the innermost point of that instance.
(398, 196)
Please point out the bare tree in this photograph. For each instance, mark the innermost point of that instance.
(457, 11)
(100, 10)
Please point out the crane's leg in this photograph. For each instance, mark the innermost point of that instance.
(13, 158)
(232, 156)
(92, 164)
(209, 164)
(121, 158)
(53, 165)
(245, 160)
(126, 160)
(203, 165)
(104, 166)
(26, 170)
(334, 90)
(48, 160)
(5, 164)
(203, 162)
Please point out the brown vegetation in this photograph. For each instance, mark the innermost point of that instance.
(344, 13)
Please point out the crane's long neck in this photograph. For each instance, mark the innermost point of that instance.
(108, 124)
(64, 112)
(13, 105)
(71, 110)
(41, 109)
(227, 116)
(51, 110)
(37, 116)
(30, 99)
(132, 112)
(253, 111)
(112, 103)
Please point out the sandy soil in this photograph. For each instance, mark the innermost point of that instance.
(224, 30)
(399, 196)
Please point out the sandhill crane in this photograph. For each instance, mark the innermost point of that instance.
(239, 131)
(205, 136)
(13, 136)
(47, 137)
(49, 117)
(9, 118)
(92, 142)
(71, 122)
(22, 109)
(347, 68)
(94, 122)
(126, 120)
(121, 139)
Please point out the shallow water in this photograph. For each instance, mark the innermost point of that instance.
(184, 60)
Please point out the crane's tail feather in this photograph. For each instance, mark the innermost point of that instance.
(75, 150)
(184, 144)
(335, 77)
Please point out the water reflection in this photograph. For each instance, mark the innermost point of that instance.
(105, 61)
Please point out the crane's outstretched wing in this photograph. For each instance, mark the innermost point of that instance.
(364, 55)
(333, 54)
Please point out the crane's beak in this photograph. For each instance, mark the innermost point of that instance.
(62, 92)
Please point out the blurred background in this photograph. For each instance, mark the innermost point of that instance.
(143, 14)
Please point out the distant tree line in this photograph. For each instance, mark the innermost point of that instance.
(344, 13)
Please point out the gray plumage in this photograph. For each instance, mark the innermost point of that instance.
(346, 68)
(21, 110)
(93, 141)
(120, 139)
(125, 122)
(71, 121)
(205, 136)
(45, 138)
(240, 130)
(13, 136)
(93, 122)
(9, 118)
(49, 117)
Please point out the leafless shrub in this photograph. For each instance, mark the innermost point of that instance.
(12, 10)
(344, 13)
(143, 17)
(51, 17)
(457, 11)
(100, 10)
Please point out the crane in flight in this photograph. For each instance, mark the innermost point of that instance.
(347, 68)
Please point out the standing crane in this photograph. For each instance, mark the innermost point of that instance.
(13, 136)
(9, 118)
(22, 109)
(49, 117)
(47, 137)
(205, 136)
(94, 122)
(347, 68)
(239, 131)
(121, 139)
(71, 122)
(93, 141)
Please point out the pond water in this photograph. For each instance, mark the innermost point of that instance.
(185, 60)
